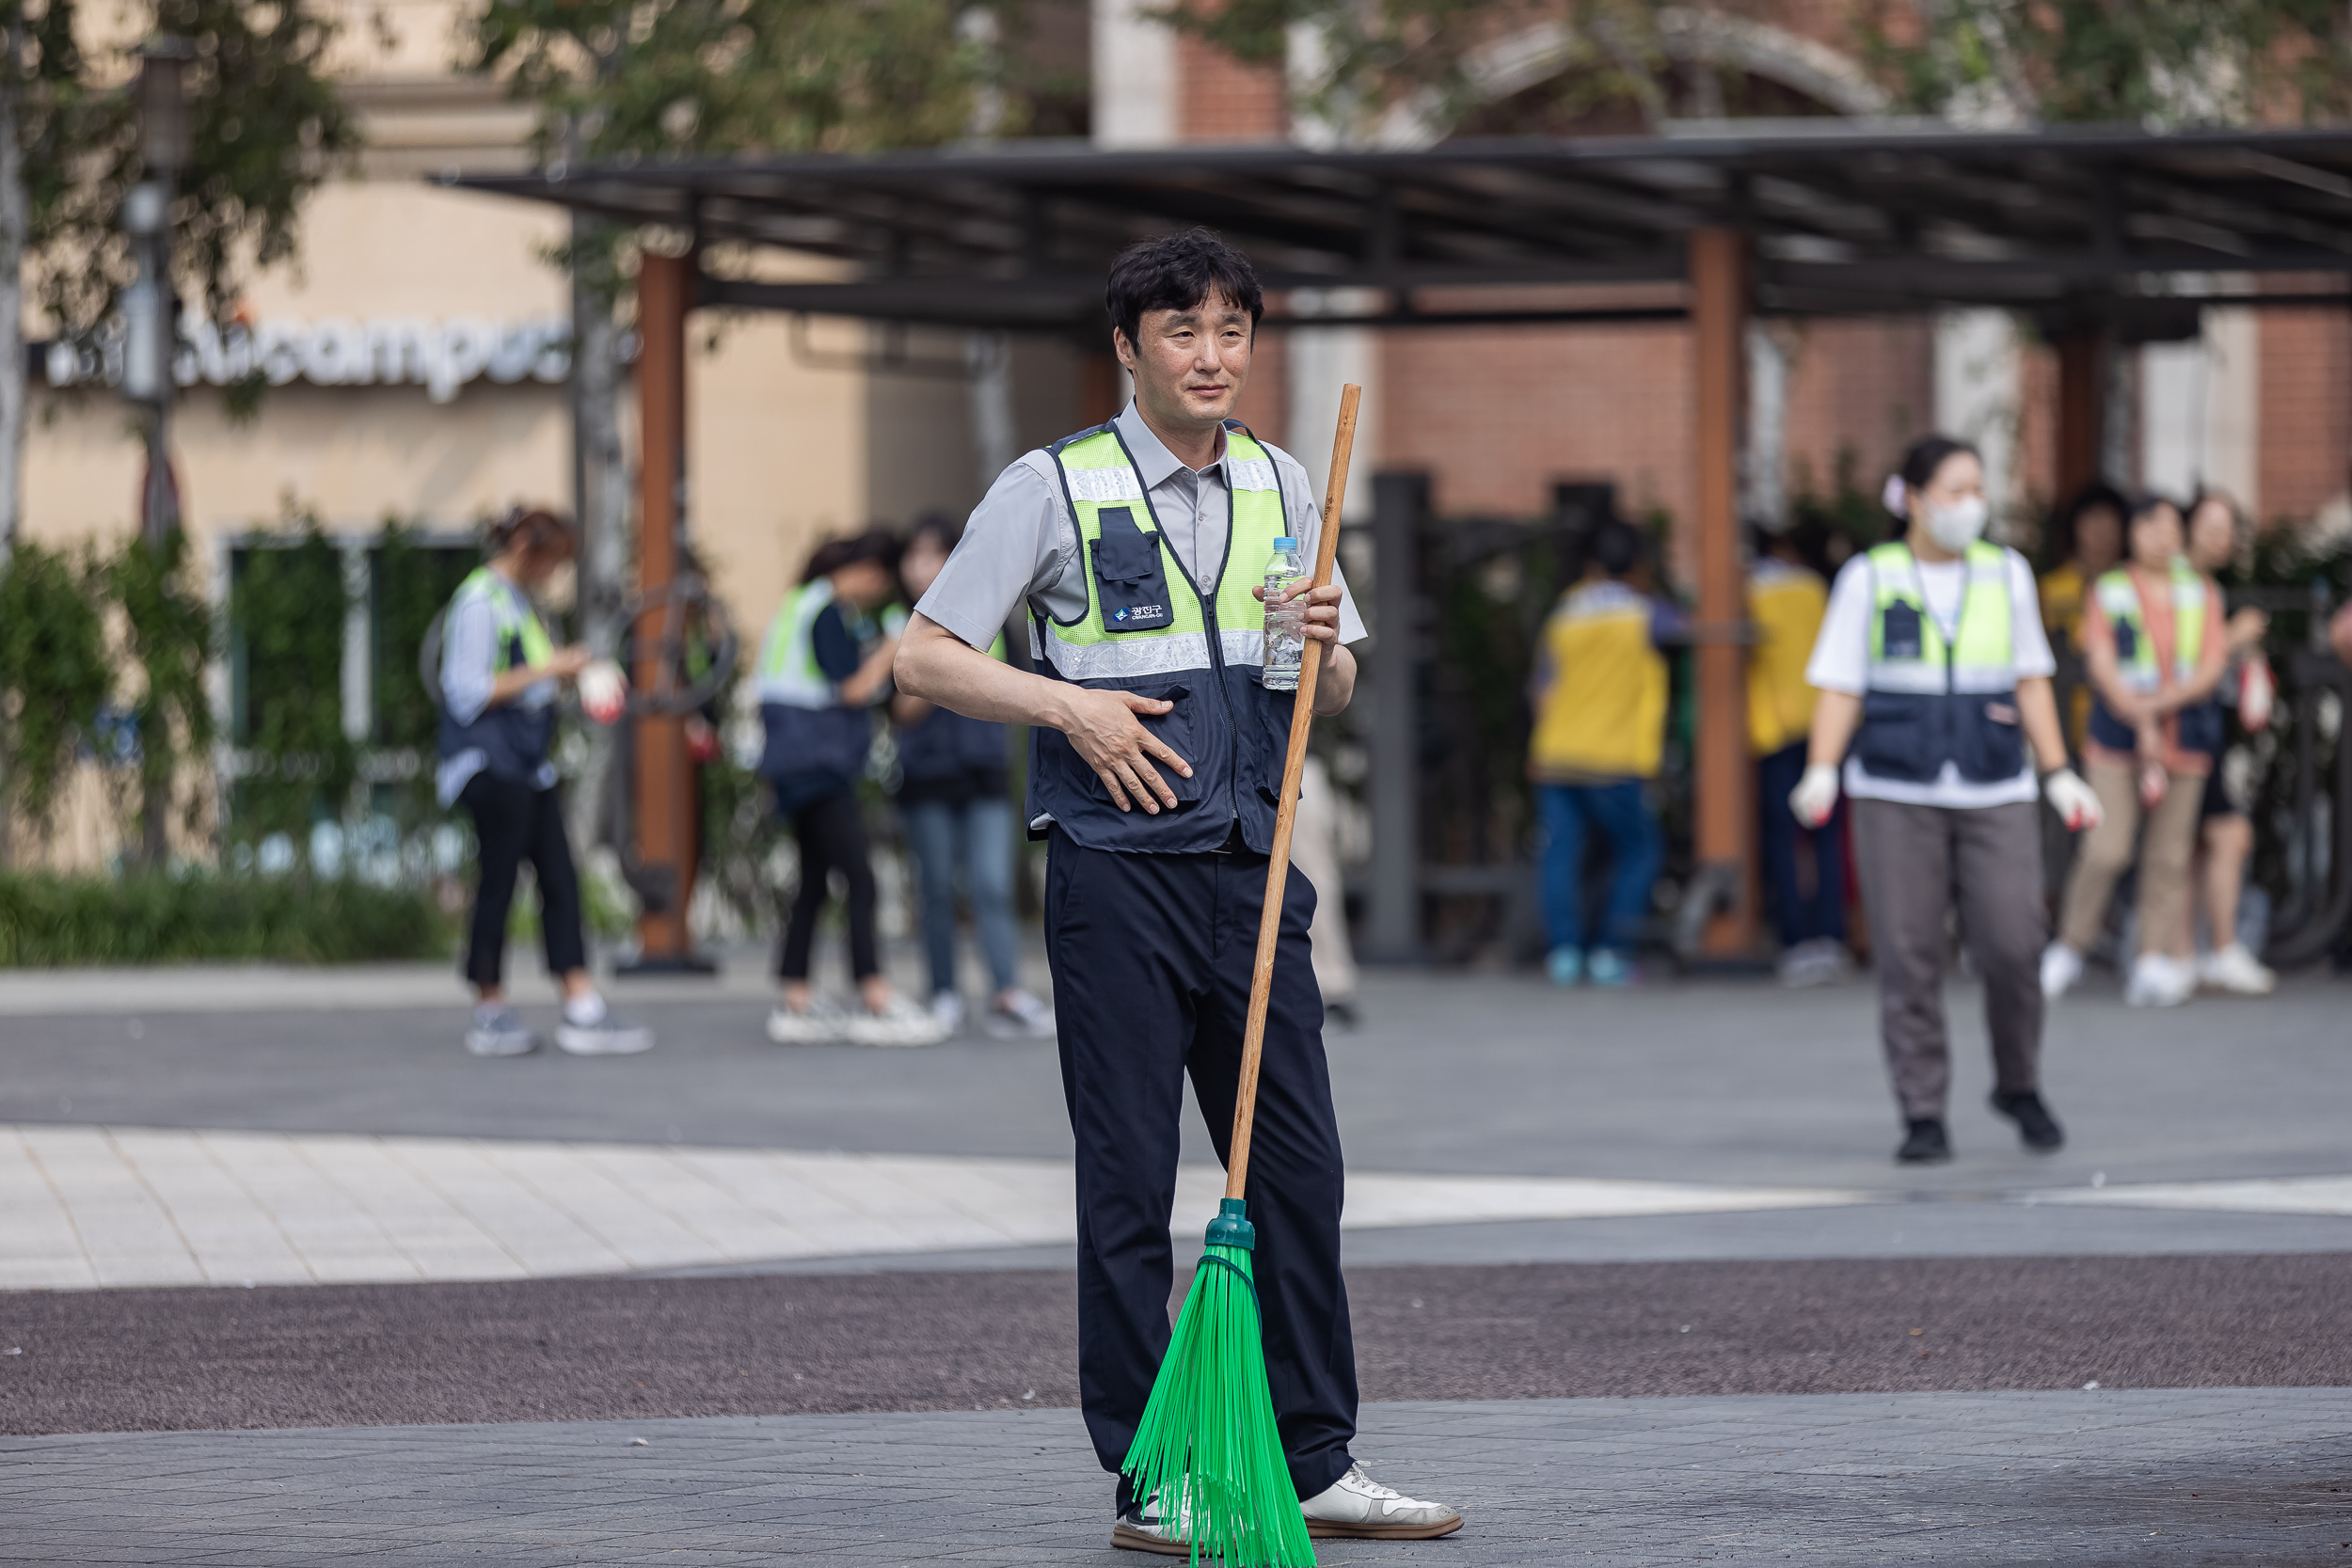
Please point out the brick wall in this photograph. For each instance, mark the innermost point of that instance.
(1498, 414)
(2306, 405)
(1865, 387)
(1224, 101)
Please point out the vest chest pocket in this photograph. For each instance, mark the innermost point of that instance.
(1899, 635)
(1130, 576)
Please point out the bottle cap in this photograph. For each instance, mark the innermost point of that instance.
(1286, 543)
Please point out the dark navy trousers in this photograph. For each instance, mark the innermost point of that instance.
(1151, 957)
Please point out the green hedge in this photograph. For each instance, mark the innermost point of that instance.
(154, 918)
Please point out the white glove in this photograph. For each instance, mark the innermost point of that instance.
(2077, 804)
(603, 690)
(1816, 794)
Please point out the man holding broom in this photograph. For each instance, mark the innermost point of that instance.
(1136, 549)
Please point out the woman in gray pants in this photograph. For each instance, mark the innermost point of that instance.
(1935, 676)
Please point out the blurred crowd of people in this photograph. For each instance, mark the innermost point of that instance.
(2160, 689)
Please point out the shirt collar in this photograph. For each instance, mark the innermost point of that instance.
(1154, 461)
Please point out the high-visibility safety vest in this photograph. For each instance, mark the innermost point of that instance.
(1787, 602)
(808, 730)
(2118, 595)
(1149, 629)
(1930, 701)
(1604, 711)
(512, 737)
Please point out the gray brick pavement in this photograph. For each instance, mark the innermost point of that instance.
(2161, 1477)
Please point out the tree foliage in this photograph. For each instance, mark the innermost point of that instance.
(619, 78)
(2161, 62)
(266, 127)
(54, 676)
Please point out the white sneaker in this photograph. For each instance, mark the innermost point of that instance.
(1817, 963)
(2158, 982)
(497, 1032)
(1142, 1529)
(608, 1037)
(2237, 971)
(901, 1024)
(2061, 966)
(1356, 1505)
(819, 1024)
(1021, 1016)
(947, 1007)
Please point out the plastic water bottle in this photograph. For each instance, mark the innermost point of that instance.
(1285, 624)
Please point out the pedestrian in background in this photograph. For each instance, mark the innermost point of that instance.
(1600, 722)
(1787, 599)
(959, 818)
(1316, 853)
(2086, 540)
(824, 664)
(2155, 650)
(2218, 533)
(1933, 670)
(499, 678)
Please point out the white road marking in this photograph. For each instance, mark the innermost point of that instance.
(82, 1206)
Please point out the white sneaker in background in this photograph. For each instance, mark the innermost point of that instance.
(1360, 1506)
(947, 1007)
(819, 1024)
(1021, 1016)
(497, 1032)
(901, 1024)
(1817, 963)
(2158, 981)
(2237, 972)
(591, 1029)
(2061, 966)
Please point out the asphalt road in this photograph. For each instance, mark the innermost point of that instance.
(601, 1350)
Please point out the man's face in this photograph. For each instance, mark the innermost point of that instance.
(1191, 365)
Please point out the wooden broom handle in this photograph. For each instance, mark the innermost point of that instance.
(1286, 811)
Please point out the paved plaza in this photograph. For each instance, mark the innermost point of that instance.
(285, 1276)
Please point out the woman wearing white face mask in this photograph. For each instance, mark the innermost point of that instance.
(1934, 673)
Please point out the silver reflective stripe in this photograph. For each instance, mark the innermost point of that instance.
(1243, 647)
(1906, 675)
(1122, 484)
(1997, 677)
(1166, 653)
(1253, 473)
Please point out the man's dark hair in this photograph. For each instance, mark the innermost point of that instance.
(1177, 273)
(2064, 530)
(1614, 545)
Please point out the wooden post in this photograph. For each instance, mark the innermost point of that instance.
(1725, 803)
(2081, 409)
(665, 780)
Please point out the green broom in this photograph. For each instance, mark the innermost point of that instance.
(1207, 1448)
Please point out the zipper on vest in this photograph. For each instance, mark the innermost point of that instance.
(1216, 668)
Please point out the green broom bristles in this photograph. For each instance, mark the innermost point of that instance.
(1207, 1448)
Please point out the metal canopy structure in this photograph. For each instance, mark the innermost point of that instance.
(2103, 234)
(2094, 224)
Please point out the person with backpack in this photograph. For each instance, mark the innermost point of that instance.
(958, 820)
(499, 678)
(824, 666)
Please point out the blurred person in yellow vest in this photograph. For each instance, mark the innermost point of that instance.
(2086, 540)
(1600, 716)
(1787, 600)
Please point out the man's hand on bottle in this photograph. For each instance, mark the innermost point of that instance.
(1103, 730)
(1323, 611)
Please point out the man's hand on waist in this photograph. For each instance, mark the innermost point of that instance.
(1103, 730)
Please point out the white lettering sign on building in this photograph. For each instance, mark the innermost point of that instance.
(440, 355)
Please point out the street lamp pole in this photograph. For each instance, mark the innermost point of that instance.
(151, 332)
(151, 328)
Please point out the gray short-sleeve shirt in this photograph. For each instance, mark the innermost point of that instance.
(1020, 551)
